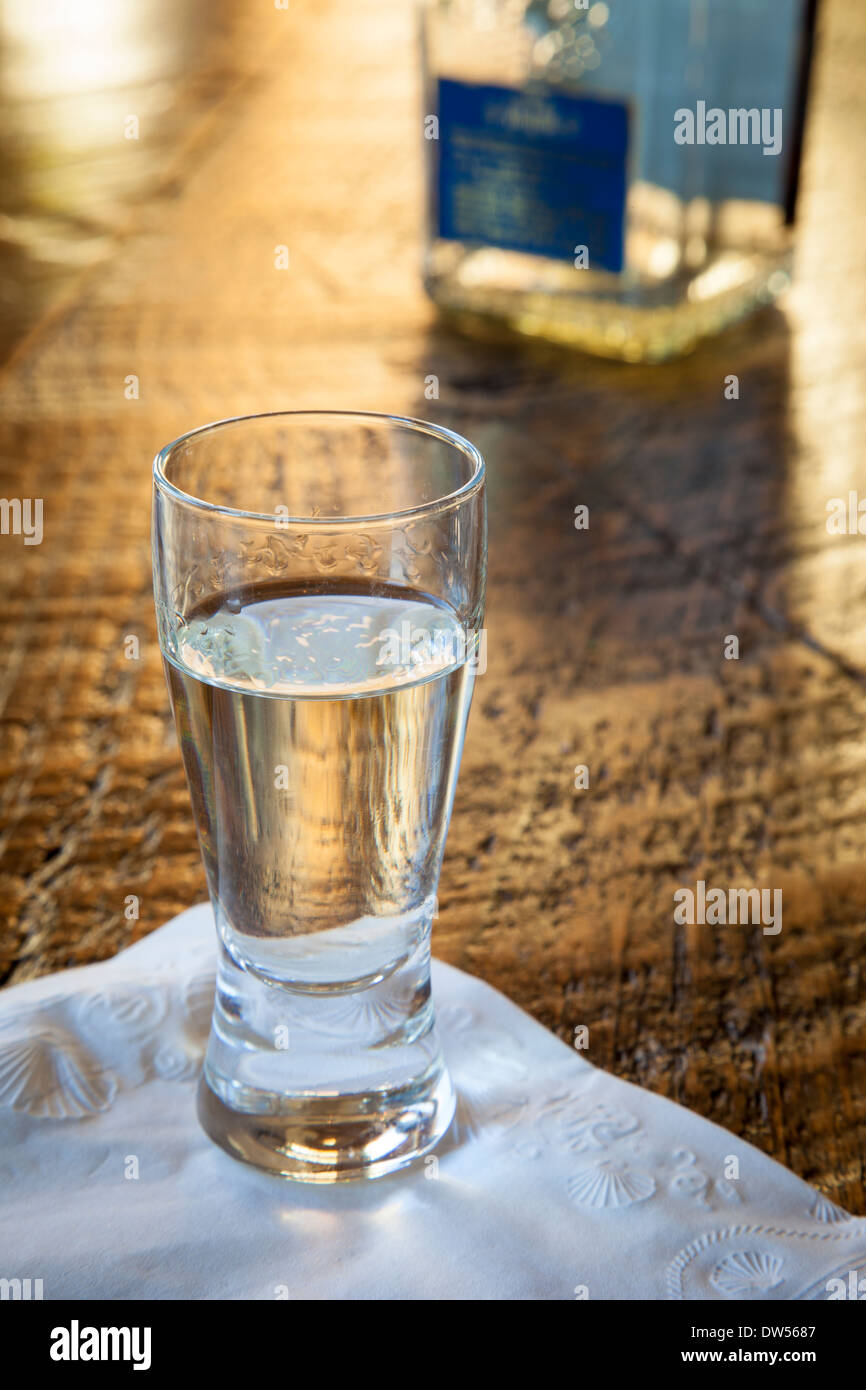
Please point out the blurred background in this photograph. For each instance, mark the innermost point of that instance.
(216, 209)
(78, 85)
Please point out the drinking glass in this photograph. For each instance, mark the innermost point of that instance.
(319, 584)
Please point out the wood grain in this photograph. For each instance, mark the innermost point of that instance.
(707, 518)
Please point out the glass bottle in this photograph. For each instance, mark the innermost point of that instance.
(616, 175)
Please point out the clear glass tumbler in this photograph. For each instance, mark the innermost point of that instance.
(319, 583)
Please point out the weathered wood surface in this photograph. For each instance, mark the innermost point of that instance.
(707, 518)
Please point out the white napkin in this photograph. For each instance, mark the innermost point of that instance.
(556, 1181)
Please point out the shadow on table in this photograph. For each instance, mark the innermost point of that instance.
(684, 489)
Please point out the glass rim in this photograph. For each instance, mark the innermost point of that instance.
(424, 509)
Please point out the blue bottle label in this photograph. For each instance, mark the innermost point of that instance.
(536, 172)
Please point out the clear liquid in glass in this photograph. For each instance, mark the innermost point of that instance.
(321, 733)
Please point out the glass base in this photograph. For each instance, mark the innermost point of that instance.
(325, 1085)
(334, 1139)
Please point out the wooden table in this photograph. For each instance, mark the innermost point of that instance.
(707, 518)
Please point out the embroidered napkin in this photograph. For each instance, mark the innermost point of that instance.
(556, 1181)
